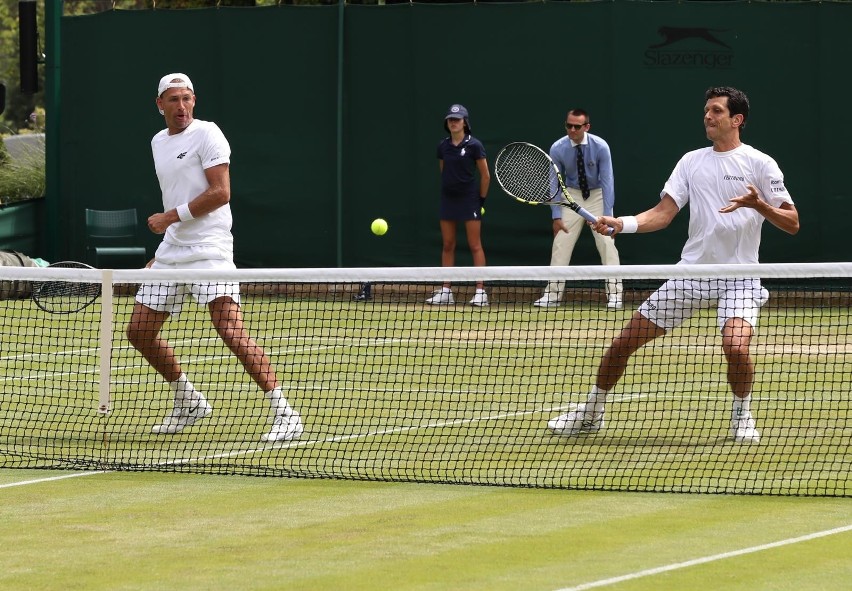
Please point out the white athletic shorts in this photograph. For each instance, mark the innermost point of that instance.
(170, 297)
(678, 299)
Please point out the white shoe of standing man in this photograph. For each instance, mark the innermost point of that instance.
(480, 298)
(442, 297)
(615, 302)
(546, 301)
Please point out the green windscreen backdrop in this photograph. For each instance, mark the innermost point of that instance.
(269, 78)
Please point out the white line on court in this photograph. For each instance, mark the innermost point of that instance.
(706, 559)
(50, 478)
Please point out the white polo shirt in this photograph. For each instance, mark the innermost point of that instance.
(707, 180)
(180, 161)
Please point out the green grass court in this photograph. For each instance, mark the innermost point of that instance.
(141, 531)
(400, 392)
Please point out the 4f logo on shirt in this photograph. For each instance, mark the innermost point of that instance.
(181, 155)
(462, 151)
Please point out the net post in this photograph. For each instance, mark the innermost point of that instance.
(105, 342)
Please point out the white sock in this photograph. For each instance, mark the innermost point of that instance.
(278, 402)
(184, 390)
(742, 406)
(597, 397)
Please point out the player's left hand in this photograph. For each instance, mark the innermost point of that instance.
(750, 199)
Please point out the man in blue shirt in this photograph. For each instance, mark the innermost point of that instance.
(585, 162)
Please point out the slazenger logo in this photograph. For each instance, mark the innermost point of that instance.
(730, 177)
(690, 47)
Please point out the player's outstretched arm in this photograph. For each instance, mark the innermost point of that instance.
(656, 218)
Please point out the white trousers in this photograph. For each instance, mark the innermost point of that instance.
(563, 243)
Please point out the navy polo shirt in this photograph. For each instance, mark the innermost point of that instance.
(458, 178)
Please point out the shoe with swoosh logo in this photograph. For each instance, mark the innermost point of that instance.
(184, 414)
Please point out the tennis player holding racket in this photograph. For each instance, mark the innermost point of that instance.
(731, 188)
(192, 158)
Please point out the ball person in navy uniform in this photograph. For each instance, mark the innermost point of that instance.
(460, 157)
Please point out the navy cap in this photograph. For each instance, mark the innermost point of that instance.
(457, 112)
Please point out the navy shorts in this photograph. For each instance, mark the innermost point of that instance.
(460, 209)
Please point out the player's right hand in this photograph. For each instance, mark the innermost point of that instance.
(158, 223)
(604, 223)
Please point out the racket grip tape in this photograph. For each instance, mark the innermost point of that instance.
(587, 215)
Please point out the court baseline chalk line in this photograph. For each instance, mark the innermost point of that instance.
(51, 478)
(706, 559)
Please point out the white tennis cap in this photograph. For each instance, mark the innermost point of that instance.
(168, 81)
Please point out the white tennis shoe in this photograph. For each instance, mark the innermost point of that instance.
(285, 428)
(480, 298)
(442, 297)
(184, 414)
(615, 302)
(744, 430)
(581, 420)
(546, 301)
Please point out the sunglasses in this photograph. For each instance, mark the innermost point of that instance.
(575, 125)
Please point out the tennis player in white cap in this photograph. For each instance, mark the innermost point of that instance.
(192, 158)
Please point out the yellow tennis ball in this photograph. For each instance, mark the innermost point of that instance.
(379, 227)
(482, 211)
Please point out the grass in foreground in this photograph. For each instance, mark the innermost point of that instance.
(157, 531)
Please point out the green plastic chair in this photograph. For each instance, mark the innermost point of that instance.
(112, 239)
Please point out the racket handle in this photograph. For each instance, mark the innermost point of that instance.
(587, 215)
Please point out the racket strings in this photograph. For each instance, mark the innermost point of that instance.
(68, 289)
(64, 297)
(525, 172)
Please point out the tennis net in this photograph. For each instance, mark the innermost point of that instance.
(390, 388)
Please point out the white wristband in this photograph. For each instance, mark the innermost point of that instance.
(629, 223)
(183, 212)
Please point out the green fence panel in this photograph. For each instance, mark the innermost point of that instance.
(265, 76)
(268, 77)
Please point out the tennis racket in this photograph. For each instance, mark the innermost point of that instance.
(65, 297)
(528, 174)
